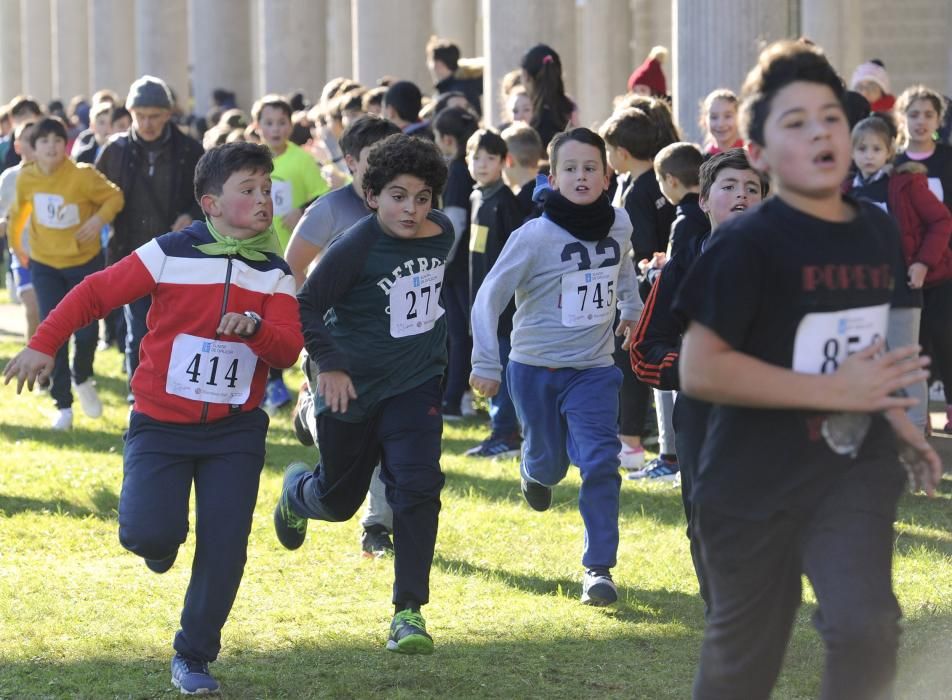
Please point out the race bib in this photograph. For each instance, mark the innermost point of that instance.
(935, 184)
(824, 340)
(52, 211)
(216, 371)
(415, 303)
(477, 238)
(588, 297)
(281, 196)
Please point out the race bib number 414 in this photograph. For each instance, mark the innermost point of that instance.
(415, 303)
(588, 297)
(216, 371)
(824, 340)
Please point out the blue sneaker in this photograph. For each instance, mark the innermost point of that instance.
(657, 470)
(288, 525)
(276, 395)
(192, 677)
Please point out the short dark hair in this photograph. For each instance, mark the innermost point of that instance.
(489, 141)
(119, 112)
(22, 105)
(633, 130)
(366, 131)
(734, 158)
(680, 160)
(406, 99)
(780, 64)
(458, 122)
(219, 163)
(524, 144)
(273, 101)
(444, 51)
(404, 155)
(580, 134)
(48, 126)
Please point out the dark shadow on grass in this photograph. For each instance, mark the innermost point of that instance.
(105, 506)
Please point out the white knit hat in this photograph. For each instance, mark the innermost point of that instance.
(871, 71)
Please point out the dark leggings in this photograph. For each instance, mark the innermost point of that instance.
(634, 397)
(936, 333)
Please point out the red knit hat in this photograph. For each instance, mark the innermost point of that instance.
(650, 74)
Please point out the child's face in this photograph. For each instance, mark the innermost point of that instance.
(870, 153)
(446, 144)
(722, 123)
(121, 124)
(275, 128)
(244, 208)
(870, 90)
(23, 148)
(102, 125)
(485, 167)
(667, 185)
(520, 107)
(806, 138)
(580, 174)
(616, 158)
(358, 167)
(49, 152)
(732, 192)
(922, 121)
(402, 206)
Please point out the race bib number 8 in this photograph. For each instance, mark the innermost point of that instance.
(824, 340)
(588, 297)
(215, 371)
(415, 303)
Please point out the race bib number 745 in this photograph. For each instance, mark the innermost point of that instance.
(588, 297)
(216, 371)
(825, 339)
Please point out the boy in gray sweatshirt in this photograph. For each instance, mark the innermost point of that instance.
(568, 270)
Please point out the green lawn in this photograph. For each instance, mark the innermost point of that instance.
(83, 618)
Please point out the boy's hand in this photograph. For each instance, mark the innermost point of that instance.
(921, 461)
(485, 387)
(291, 219)
(658, 260)
(181, 221)
(916, 275)
(625, 329)
(89, 230)
(337, 390)
(28, 366)
(234, 323)
(866, 381)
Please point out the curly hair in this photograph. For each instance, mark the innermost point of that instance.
(404, 155)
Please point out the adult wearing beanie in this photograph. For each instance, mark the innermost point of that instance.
(154, 166)
(872, 81)
(648, 78)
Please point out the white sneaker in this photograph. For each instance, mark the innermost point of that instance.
(88, 398)
(632, 458)
(937, 392)
(466, 405)
(63, 420)
(598, 588)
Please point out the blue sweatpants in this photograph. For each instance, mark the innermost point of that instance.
(502, 414)
(571, 415)
(224, 460)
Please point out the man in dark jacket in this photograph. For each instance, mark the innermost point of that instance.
(154, 166)
(450, 74)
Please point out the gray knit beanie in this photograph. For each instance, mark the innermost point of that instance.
(149, 91)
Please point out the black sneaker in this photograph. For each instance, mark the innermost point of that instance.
(375, 541)
(160, 566)
(408, 634)
(301, 431)
(538, 497)
(288, 525)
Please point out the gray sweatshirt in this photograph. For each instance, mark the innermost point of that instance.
(566, 292)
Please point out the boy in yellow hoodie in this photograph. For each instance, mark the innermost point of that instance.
(71, 203)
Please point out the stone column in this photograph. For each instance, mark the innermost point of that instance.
(35, 49)
(11, 77)
(339, 53)
(70, 49)
(220, 50)
(716, 44)
(390, 39)
(112, 57)
(837, 27)
(161, 31)
(456, 20)
(289, 46)
(603, 55)
(650, 26)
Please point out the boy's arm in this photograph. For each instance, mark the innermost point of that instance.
(102, 192)
(310, 236)
(656, 345)
(278, 340)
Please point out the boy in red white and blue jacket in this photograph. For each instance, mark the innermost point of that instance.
(223, 311)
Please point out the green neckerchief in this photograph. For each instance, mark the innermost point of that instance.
(253, 248)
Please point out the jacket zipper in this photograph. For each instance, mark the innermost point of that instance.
(224, 308)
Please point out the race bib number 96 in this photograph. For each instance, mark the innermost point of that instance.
(215, 371)
(588, 297)
(52, 211)
(824, 340)
(415, 303)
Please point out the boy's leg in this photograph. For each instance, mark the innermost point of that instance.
(87, 337)
(135, 315)
(378, 511)
(502, 412)
(753, 574)
(664, 410)
(847, 556)
(456, 302)
(51, 286)
(535, 394)
(409, 430)
(226, 488)
(590, 406)
(903, 329)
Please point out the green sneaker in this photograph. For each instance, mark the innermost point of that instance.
(288, 525)
(408, 634)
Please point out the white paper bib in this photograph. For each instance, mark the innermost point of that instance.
(415, 303)
(824, 340)
(588, 297)
(52, 211)
(935, 184)
(216, 371)
(281, 197)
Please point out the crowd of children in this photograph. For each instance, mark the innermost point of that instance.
(568, 275)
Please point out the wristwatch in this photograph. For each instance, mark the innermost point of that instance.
(256, 318)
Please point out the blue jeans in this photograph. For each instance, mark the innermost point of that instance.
(502, 412)
(572, 415)
(135, 315)
(51, 285)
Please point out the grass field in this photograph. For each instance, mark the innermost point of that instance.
(81, 617)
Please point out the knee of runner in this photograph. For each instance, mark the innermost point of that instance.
(151, 542)
(864, 631)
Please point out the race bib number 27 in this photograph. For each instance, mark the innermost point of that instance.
(215, 371)
(825, 340)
